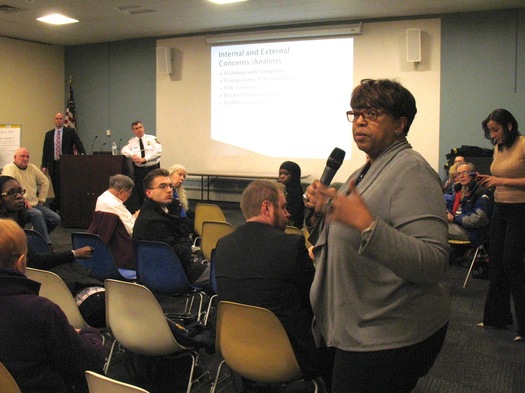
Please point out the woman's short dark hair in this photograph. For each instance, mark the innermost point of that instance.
(4, 179)
(503, 117)
(387, 95)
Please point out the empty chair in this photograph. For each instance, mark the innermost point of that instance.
(254, 344)
(55, 289)
(137, 322)
(160, 270)
(207, 212)
(101, 262)
(7, 382)
(36, 241)
(101, 384)
(212, 231)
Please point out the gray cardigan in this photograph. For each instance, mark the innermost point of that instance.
(385, 292)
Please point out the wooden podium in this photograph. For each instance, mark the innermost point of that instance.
(82, 180)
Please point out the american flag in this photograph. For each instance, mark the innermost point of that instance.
(70, 120)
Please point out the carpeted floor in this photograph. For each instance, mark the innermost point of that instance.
(473, 360)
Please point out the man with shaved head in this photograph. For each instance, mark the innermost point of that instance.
(36, 187)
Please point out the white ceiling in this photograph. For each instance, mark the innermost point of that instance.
(111, 20)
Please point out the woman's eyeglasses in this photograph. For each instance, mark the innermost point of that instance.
(13, 192)
(368, 114)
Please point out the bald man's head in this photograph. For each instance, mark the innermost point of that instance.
(21, 158)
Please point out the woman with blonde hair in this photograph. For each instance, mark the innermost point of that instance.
(180, 206)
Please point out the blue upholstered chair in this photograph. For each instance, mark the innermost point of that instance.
(101, 262)
(36, 241)
(160, 270)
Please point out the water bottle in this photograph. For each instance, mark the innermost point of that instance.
(114, 148)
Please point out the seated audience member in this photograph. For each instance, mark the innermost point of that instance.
(39, 347)
(459, 159)
(260, 265)
(76, 276)
(36, 186)
(158, 223)
(112, 200)
(451, 179)
(468, 207)
(290, 176)
(177, 175)
(114, 223)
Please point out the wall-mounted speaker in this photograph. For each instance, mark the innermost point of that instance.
(413, 45)
(164, 60)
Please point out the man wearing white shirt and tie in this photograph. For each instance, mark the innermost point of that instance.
(57, 142)
(145, 151)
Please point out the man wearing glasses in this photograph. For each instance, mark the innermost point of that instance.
(36, 185)
(157, 222)
(468, 207)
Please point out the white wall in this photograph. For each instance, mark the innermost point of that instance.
(183, 100)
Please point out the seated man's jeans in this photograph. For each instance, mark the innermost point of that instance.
(44, 220)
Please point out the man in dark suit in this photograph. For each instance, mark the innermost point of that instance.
(260, 265)
(57, 142)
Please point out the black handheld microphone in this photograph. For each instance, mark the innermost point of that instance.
(333, 164)
(93, 143)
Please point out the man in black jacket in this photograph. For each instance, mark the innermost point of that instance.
(57, 142)
(260, 265)
(157, 222)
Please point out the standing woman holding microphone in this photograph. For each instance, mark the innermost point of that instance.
(507, 227)
(380, 257)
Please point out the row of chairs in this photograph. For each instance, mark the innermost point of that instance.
(260, 351)
(251, 340)
(137, 322)
(171, 279)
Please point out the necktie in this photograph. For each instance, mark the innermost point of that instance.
(142, 152)
(58, 141)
